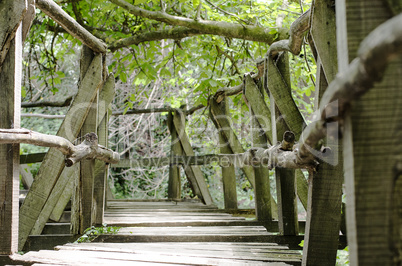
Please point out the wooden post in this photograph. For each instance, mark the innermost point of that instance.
(87, 167)
(194, 173)
(222, 123)
(279, 80)
(174, 184)
(372, 145)
(262, 185)
(228, 172)
(53, 163)
(325, 185)
(10, 98)
(261, 133)
(106, 95)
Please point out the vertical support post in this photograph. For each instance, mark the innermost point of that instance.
(325, 185)
(174, 183)
(10, 98)
(285, 178)
(262, 184)
(87, 167)
(82, 199)
(106, 95)
(228, 171)
(372, 146)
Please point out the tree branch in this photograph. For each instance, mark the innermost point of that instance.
(62, 103)
(176, 33)
(296, 32)
(51, 9)
(89, 148)
(231, 30)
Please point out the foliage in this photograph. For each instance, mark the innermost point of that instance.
(160, 72)
(93, 232)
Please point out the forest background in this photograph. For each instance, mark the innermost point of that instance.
(153, 70)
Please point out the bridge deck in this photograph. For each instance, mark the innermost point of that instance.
(167, 233)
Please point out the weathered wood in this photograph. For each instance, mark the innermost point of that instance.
(13, 12)
(372, 133)
(323, 21)
(65, 197)
(28, 19)
(53, 162)
(325, 186)
(174, 183)
(285, 178)
(54, 197)
(199, 180)
(284, 100)
(374, 54)
(51, 9)
(26, 176)
(32, 158)
(262, 188)
(63, 103)
(10, 99)
(262, 112)
(228, 171)
(106, 95)
(260, 109)
(223, 125)
(73, 154)
(87, 167)
(302, 188)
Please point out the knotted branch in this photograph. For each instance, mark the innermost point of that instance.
(88, 149)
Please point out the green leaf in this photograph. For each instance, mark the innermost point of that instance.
(23, 92)
(60, 74)
(196, 3)
(123, 77)
(138, 2)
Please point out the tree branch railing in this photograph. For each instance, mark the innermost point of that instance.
(88, 149)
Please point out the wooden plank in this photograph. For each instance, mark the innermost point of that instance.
(262, 189)
(372, 146)
(255, 98)
(323, 20)
(51, 9)
(325, 186)
(199, 180)
(174, 183)
(268, 255)
(32, 158)
(26, 176)
(283, 99)
(53, 162)
(109, 258)
(106, 92)
(223, 125)
(65, 197)
(285, 178)
(10, 107)
(262, 112)
(228, 171)
(13, 12)
(54, 196)
(87, 167)
(106, 95)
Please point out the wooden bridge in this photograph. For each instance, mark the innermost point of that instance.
(367, 160)
(169, 232)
